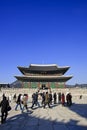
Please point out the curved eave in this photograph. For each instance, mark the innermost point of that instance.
(41, 69)
(22, 69)
(43, 78)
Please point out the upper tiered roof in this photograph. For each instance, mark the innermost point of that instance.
(47, 69)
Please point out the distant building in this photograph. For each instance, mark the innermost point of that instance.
(43, 76)
(4, 85)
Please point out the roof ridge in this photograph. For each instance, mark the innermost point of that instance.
(43, 64)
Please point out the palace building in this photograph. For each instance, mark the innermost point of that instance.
(43, 76)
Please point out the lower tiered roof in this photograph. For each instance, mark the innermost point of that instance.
(43, 78)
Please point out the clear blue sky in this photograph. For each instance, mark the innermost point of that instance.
(43, 32)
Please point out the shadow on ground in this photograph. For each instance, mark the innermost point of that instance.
(80, 109)
(27, 121)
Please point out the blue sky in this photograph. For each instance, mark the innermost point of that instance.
(43, 32)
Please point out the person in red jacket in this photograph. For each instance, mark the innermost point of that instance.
(63, 99)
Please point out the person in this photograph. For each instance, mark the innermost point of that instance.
(59, 97)
(14, 97)
(19, 102)
(35, 100)
(43, 98)
(55, 97)
(47, 101)
(10, 98)
(63, 99)
(50, 98)
(80, 97)
(25, 101)
(69, 99)
(4, 109)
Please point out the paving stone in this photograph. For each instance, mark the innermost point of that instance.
(46, 127)
(75, 127)
(56, 118)
(30, 128)
(60, 127)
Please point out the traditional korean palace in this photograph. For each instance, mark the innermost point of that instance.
(43, 76)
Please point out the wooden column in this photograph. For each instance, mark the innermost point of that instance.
(29, 84)
(56, 84)
(38, 85)
(49, 87)
(22, 84)
(64, 85)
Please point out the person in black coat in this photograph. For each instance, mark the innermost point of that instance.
(55, 97)
(69, 99)
(19, 102)
(4, 109)
(59, 97)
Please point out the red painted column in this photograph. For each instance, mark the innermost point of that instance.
(49, 87)
(22, 84)
(29, 84)
(56, 84)
(38, 85)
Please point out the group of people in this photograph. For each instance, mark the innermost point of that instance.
(49, 99)
(22, 101)
(46, 99)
